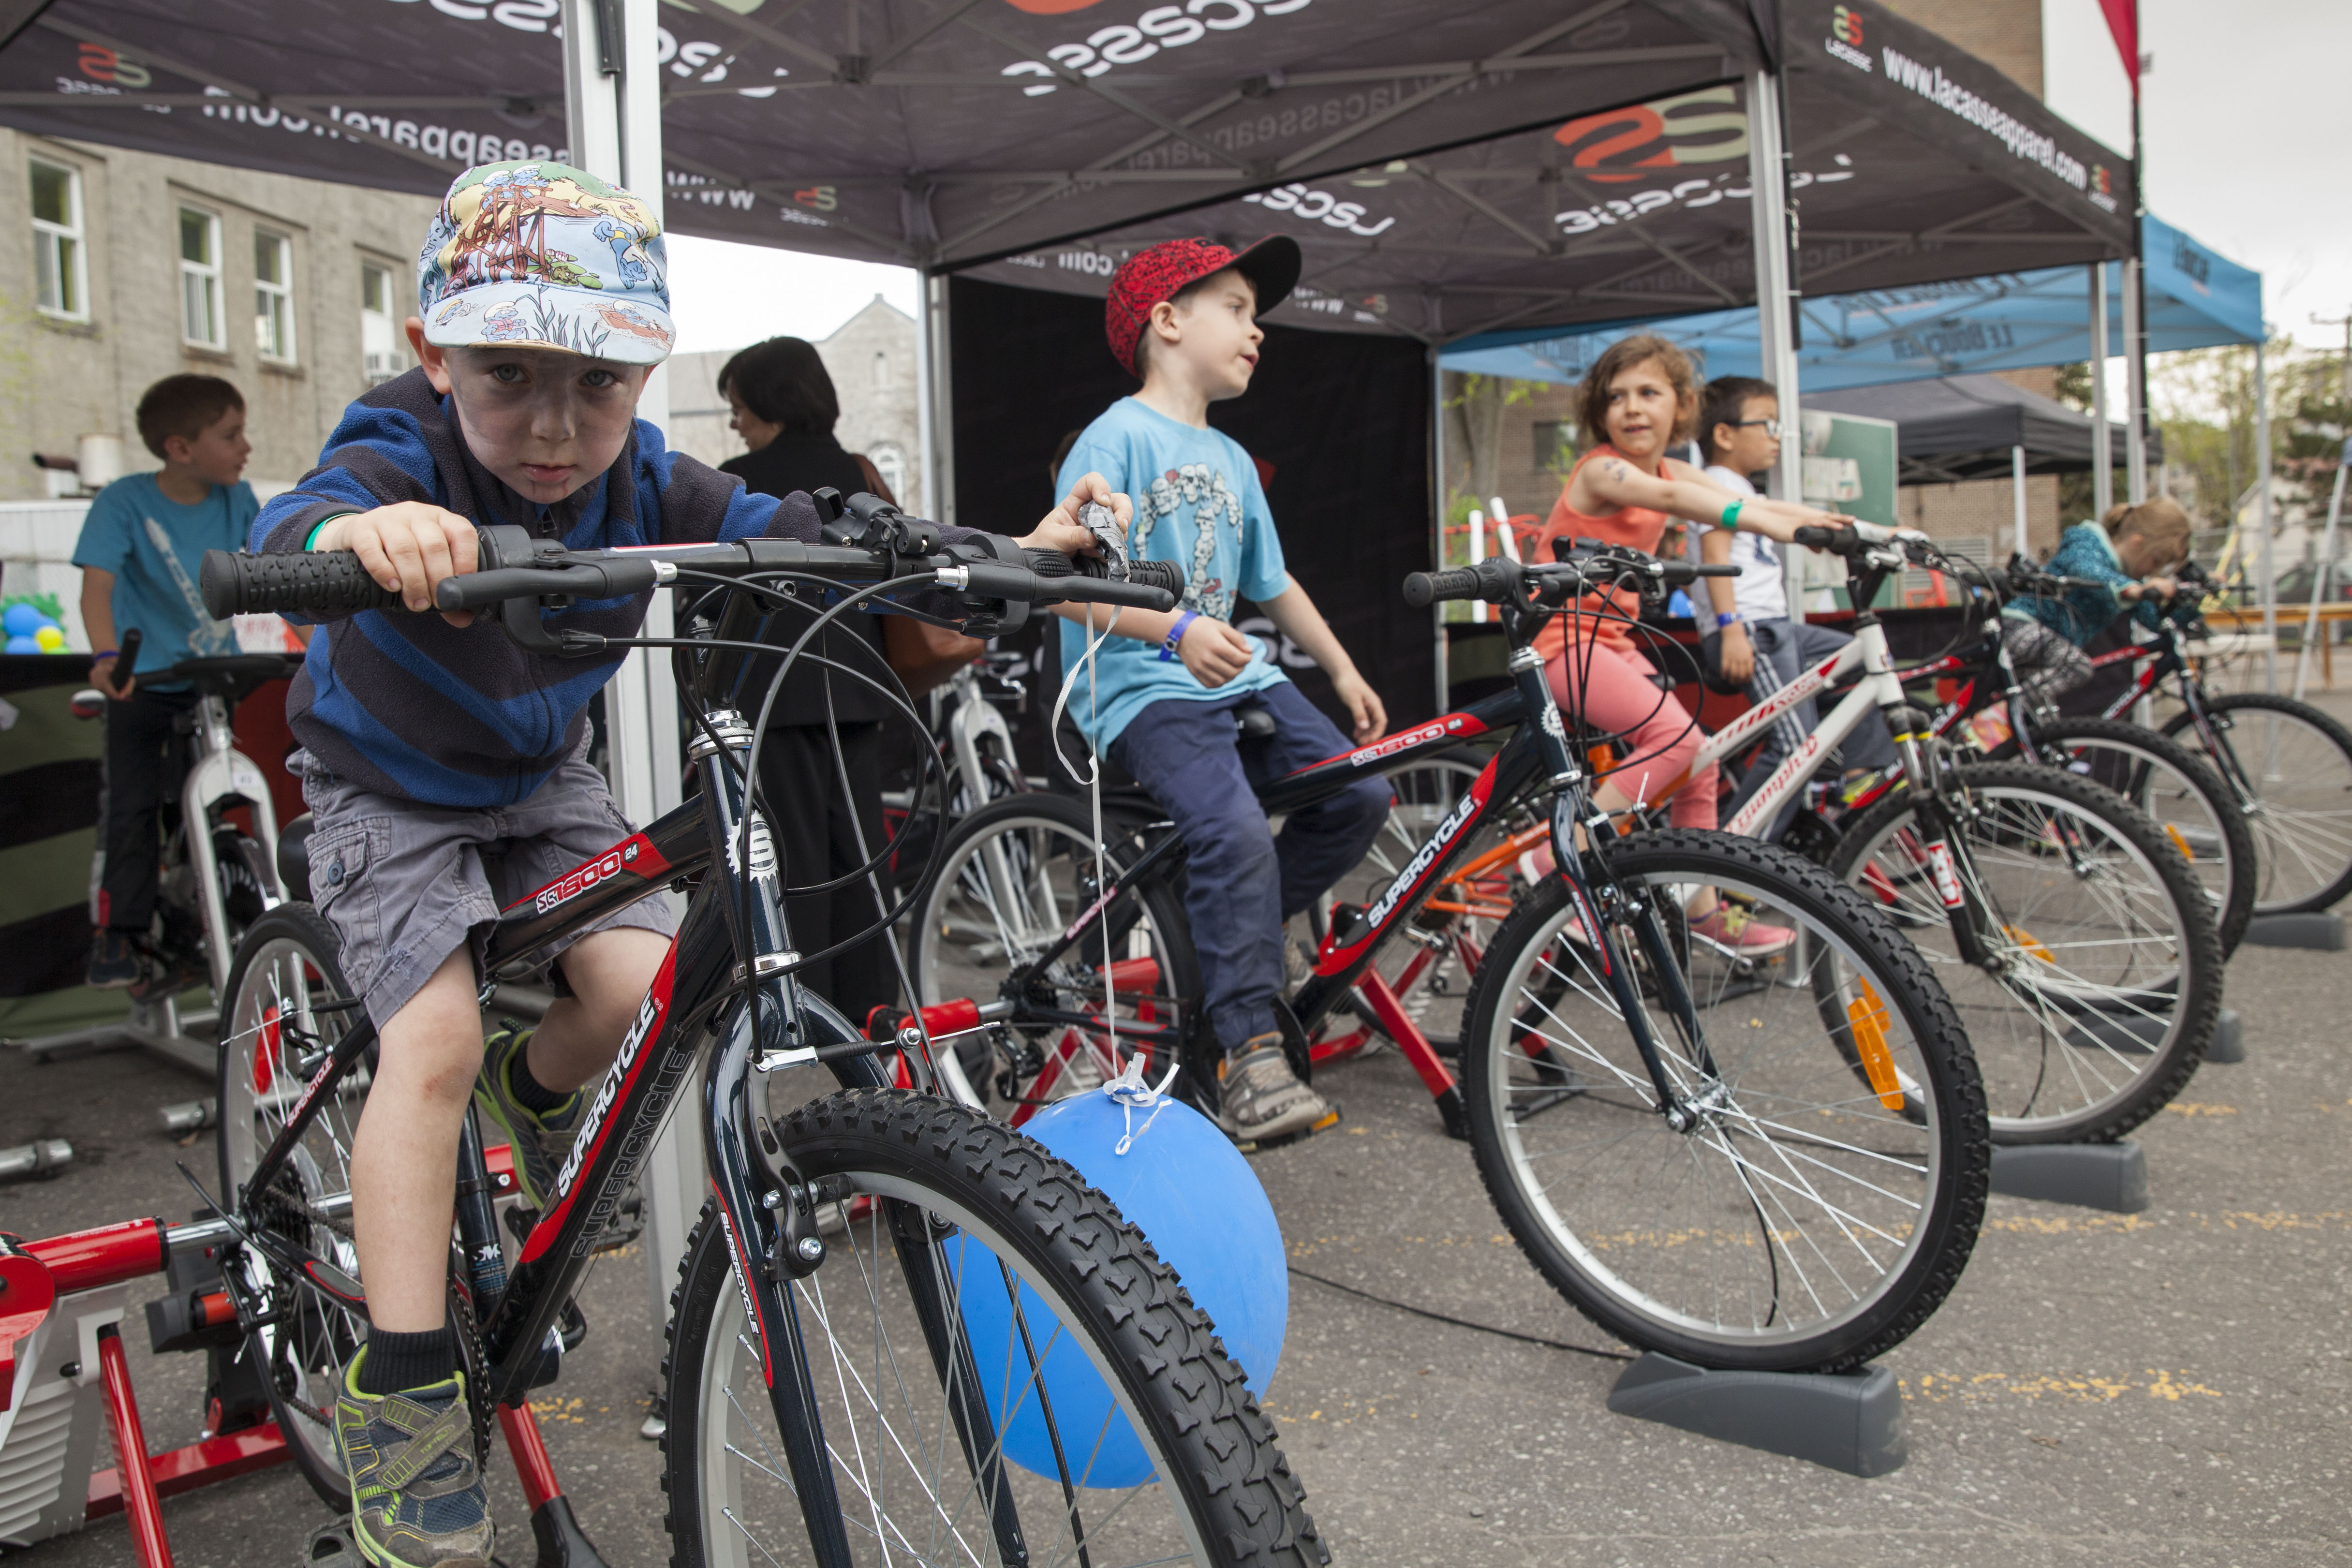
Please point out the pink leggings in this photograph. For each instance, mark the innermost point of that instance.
(1620, 697)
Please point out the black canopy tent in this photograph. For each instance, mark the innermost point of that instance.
(1974, 426)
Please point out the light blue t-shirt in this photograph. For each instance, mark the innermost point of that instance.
(154, 546)
(1198, 502)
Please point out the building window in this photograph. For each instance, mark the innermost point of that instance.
(58, 280)
(891, 464)
(380, 353)
(881, 371)
(273, 295)
(200, 279)
(1555, 445)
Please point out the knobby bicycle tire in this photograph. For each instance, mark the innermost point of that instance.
(2279, 837)
(2039, 1026)
(1789, 1117)
(252, 1079)
(952, 1175)
(2216, 800)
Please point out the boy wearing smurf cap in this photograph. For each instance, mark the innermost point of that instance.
(1181, 319)
(542, 307)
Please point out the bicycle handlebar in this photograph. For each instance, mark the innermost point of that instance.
(1498, 578)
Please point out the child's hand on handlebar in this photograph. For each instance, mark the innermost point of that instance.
(407, 547)
(1061, 528)
(1214, 652)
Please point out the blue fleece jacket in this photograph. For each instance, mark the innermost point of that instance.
(2080, 613)
(410, 705)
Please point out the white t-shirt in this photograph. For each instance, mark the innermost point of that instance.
(1758, 590)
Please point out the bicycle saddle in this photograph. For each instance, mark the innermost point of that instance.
(1253, 722)
(294, 858)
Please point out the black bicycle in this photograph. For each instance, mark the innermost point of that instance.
(902, 1332)
(1773, 1160)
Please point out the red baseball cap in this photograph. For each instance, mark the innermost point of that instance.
(1151, 276)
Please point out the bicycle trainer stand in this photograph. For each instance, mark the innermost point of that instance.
(1851, 1422)
(156, 1024)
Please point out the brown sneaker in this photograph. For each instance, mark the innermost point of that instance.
(1258, 1095)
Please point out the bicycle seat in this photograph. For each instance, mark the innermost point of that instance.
(294, 858)
(233, 674)
(1253, 722)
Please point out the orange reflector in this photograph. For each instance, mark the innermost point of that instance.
(1868, 1018)
(2025, 938)
(2181, 842)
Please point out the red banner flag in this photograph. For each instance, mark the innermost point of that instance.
(2123, 21)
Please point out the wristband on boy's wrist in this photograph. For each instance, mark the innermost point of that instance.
(106, 653)
(1724, 622)
(1731, 513)
(1176, 634)
(311, 540)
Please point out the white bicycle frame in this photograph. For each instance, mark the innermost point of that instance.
(1880, 688)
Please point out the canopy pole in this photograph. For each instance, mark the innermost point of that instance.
(2103, 451)
(614, 116)
(1437, 526)
(2134, 390)
(927, 434)
(2262, 518)
(1775, 304)
(938, 410)
(2321, 574)
(2017, 500)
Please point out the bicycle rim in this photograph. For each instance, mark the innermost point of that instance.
(2109, 972)
(2297, 765)
(1012, 878)
(274, 1034)
(1815, 1213)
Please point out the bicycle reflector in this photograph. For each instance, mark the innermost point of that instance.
(1867, 1013)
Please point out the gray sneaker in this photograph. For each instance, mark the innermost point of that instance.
(417, 1501)
(1259, 1098)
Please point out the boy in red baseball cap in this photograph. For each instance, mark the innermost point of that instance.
(1181, 318)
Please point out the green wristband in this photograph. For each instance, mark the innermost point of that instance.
(1731, 513)
(312, 541)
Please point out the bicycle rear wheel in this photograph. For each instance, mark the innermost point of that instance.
(2295, 762)
(1806, 1220)
(2107, 967)
(281, 1019)
(1014, 876)
(2181, 793)
(1138, 1444)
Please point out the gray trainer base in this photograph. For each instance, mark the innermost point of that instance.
(2229, 1041)
(2134, 1034)
(2112, 1176)
(1841, 1421)
(2323, 930)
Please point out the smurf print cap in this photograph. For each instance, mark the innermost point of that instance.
(541, 255)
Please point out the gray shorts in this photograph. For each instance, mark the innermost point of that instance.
(405, 885)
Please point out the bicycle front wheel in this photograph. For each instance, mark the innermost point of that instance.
(286, 1009)
(2294, 764)
(1826, 1191)
(2178, 790)
(1004, 1371)
(2103, 972)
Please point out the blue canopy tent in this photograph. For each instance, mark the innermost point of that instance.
(2012, 320)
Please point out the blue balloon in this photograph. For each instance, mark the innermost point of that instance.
(21, 620)
(23, 645)
(1188, 1189)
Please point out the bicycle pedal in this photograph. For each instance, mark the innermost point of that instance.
(332, 1546)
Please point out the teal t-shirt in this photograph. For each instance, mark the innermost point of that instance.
(1198, 502)
(154, 546)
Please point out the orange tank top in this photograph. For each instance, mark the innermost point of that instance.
(1640, 527)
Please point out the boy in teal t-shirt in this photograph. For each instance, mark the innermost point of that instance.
(140, 549)
(1181, 318)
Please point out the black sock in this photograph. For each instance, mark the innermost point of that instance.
(397, 1363)
(530, 1093)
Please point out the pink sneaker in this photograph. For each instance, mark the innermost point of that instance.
(1730, 927)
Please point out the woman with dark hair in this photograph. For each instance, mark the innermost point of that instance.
(785, 409)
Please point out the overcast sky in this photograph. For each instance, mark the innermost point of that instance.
(2246, 125)
(2244, 115)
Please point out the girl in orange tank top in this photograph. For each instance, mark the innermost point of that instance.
(1639, 400)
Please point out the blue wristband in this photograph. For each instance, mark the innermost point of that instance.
(1722, 621)
(1176, 634)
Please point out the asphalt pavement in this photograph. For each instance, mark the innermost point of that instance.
(2167, 1387)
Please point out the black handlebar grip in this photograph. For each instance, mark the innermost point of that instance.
(1425, 588)
(1814, 538)
(126, 657)
(1134, 595)
(1165, 575)
(1712, 568)
(319, 582)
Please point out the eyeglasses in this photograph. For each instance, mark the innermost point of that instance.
(1771, 426)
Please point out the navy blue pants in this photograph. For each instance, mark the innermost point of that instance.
(1244, 882)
